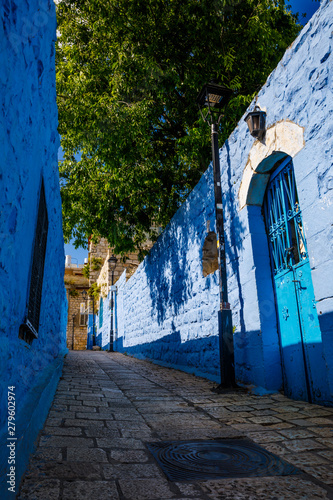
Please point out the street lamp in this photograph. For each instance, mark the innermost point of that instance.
(214, 98)
(112, 262)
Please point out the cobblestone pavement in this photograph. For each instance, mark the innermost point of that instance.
(108, 406)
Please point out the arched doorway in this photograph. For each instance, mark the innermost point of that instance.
(303, 363)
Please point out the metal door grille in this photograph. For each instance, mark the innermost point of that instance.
(37, 270)
(101, 313)
(284, 220)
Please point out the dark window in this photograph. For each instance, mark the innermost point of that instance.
(29, 330)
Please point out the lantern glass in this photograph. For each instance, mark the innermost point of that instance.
(256, 122)
(113, 261)
(213, 95)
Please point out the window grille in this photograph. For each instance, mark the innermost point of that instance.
(101, 313)
(29, 330)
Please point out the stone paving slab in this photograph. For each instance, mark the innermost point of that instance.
(108, 406)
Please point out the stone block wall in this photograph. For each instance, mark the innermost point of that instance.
(75, 284)
(98, 250)
(102, 276)
(29, 144)
(76, 332)
(167, 311)
(103, 279)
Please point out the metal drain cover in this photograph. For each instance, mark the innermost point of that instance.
(201, 460)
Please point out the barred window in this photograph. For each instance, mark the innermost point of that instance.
(29, 329)
(83, 314)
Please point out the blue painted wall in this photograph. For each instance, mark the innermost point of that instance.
(103, 328)
(167, 311)
(28, 143)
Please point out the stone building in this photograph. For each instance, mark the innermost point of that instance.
(81, 309)
(32, 293)
(101, 276)
(77, 286)
(278, 211)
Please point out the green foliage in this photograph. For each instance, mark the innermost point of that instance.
(96, 263)
(86, 271)
(128, 74)
(94, 292)
(73, 293)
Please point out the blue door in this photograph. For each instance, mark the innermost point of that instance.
(304, 367)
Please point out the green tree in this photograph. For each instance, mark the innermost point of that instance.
(128, 74)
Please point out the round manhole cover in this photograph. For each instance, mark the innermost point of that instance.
(201, 460)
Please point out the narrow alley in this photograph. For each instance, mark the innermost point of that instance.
(109, 406)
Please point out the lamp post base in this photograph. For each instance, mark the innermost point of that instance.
(226, 349)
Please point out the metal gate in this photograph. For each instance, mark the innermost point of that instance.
(300, 337)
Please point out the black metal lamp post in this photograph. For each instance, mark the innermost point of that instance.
(256, 121)
(214, 97)
(112, 262)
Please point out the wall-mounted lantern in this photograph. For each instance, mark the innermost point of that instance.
(256, 121)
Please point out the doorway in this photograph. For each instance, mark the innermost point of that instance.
(303, 364)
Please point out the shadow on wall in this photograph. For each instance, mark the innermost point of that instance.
(90, 342)
(326, 326)
(248, 369)
(176, 283)
(201, 357)
(300, 381)
(233, 238)
(168, 270)
(174, 266)
(198, 356)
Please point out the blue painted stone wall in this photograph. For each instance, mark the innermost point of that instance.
(299, 90)
(103, 330)
(90, 332)
(167, 311)
(28, 143)
(169, 306)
